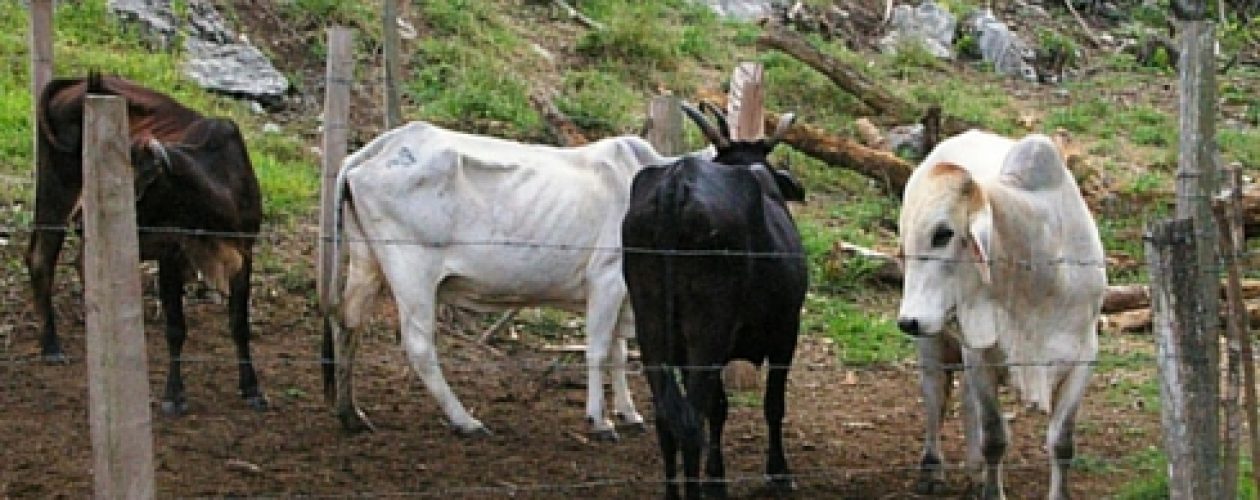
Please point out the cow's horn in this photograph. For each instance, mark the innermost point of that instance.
(714, 137)
(723, 127)
(785, 123)
(160, 150)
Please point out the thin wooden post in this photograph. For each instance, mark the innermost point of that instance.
(665, 130)
(336, 118)
(41, 43)
(745, 106)
(118, 385)
(1187, 378)
(390, 43)
(1235, 226)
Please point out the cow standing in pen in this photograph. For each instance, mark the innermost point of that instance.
(994, 232)
(198, 205)
(716, 272)
(487, 224)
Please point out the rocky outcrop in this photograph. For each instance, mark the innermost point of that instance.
(216, 58)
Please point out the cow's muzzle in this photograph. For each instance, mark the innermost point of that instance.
(910, 326)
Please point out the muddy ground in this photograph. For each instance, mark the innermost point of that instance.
(851, 433)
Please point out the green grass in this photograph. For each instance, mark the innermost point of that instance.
(88, 38)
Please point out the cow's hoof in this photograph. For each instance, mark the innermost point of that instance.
(929, 486)
(258, 403)
(174, 408)
(630, 425)
(714, 489)
(355, 422)
(604, 435)
(472, 431)
(55, 358)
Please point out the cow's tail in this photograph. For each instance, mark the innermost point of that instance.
(331, 310)
(682, 419)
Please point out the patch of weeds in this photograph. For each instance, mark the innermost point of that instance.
(744, 399)
(599, 102)
(1240, 145)
(862, 338)
(635, 35)
(456, 84)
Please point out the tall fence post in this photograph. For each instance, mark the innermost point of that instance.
(665, 132)
(390, 43)
(41, 43)
(1187, 382)
(336, 117)
(118, 385)
(1196, 187)
(745, 105)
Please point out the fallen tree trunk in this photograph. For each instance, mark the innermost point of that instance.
(869, 92)
(888, 169)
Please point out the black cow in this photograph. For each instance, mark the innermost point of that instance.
(198, 205)
(716, 271)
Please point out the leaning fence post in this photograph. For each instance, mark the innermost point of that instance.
(118, 384)
(336, 117)
(1187, 376)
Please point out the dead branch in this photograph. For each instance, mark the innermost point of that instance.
(869, 92)
(560, 125)
(891, 171)
(1089, 33)
(578, 16)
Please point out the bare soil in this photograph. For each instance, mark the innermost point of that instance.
(851, 432)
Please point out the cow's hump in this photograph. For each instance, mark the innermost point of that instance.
(1034, 164)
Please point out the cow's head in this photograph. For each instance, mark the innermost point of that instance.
(753, 153)
(150, 162)
(944, 230)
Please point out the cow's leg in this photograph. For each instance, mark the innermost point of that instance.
(934, 383)
(238, 311)
(53, 203)
(692, 439)
(665, 436)
(716, 406)
(603, 310)
(780, 360)
(1059, 439)
(171, 295)
(363, 284)
(982, 379)
(624, 410)
(416, 297)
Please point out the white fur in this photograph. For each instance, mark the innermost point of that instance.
(1024, 277)
(489, 224)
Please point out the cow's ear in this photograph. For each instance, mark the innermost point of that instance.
(978, 244)
(791, 189)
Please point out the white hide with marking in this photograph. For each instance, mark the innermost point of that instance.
(491, 224)
(1030, 233)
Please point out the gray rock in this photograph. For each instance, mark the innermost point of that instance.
(744, 10)
(1009, 54)
(156, 19)
(929, 24)
(906, 141)
(216, 58)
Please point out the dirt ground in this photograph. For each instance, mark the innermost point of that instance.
(851, 433)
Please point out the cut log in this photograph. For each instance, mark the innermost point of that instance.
(868, 91)
(888, 169)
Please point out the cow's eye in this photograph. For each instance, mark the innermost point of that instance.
(941, 237)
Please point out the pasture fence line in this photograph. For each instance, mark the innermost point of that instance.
(340, 72)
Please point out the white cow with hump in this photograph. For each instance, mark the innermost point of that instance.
(487, 224)
(994, 232)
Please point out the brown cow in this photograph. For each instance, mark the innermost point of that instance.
(192, 173)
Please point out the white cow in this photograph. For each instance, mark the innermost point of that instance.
(995, 233)
(487, 224)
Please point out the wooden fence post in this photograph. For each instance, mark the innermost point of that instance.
(336, 122)
(745, 105)
(390, 43)
(665, 132)
(1189, 405)
(118, 385)
(41, 43)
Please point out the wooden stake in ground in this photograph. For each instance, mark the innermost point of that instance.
(393, 67)
(336, 122)
(1237, 246)
(41, 44)
(664, 125)
(118, 368)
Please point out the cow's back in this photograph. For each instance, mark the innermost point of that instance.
(509, 223)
